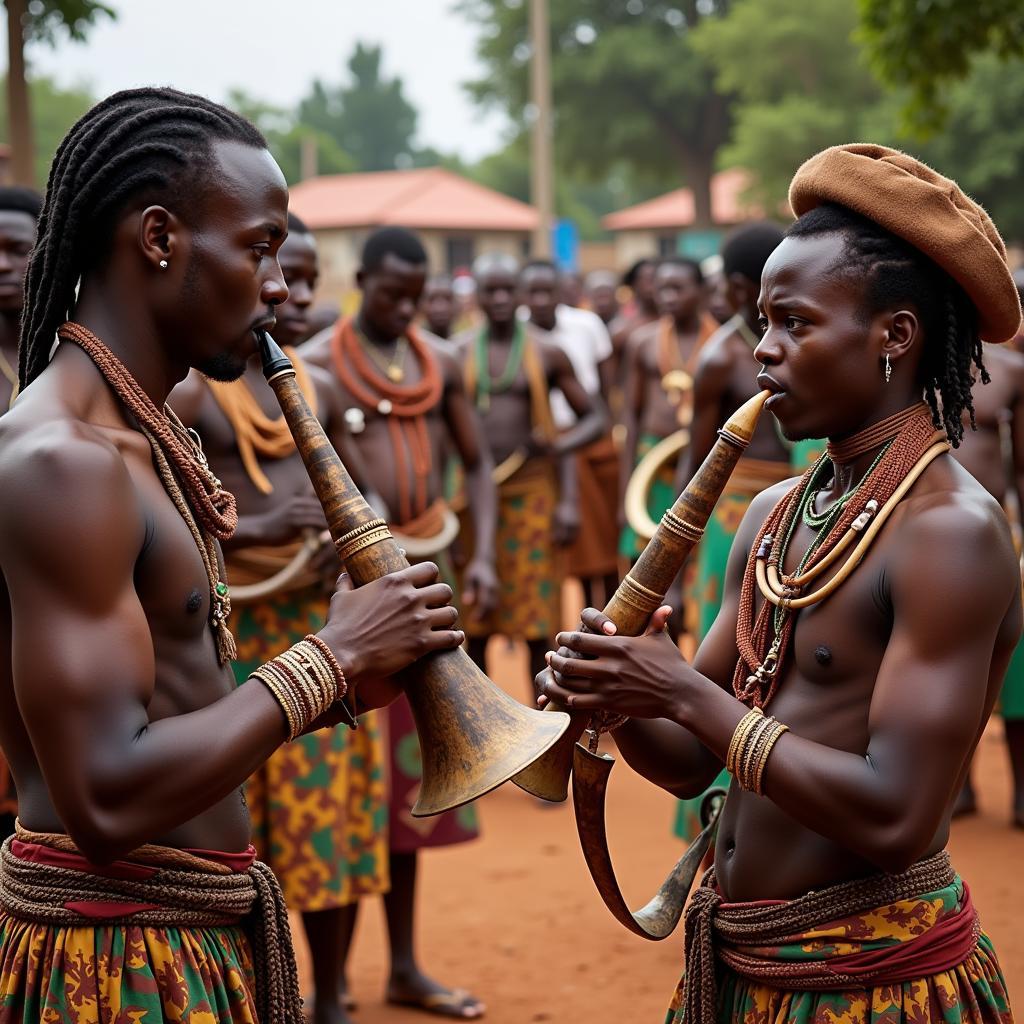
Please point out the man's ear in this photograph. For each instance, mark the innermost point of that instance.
(161, 236)
(902, 333)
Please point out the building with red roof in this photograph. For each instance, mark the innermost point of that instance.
(457, 219)
(663, 225)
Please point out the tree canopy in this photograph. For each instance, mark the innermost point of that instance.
(805, 85)
(929, 45)
(368, 116)
(629, 88)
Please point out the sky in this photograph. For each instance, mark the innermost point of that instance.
(273, 49)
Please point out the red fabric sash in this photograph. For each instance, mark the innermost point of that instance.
(35, 853)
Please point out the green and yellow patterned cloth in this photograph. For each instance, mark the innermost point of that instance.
(916, 960)
(319, 806)
(525, 558)
(124, 974)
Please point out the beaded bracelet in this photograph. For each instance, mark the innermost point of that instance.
(305, 680)
(751, 744)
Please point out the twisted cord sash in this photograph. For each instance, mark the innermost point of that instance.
(190, 892)
(712, 926)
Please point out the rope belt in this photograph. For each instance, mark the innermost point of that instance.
(190, 892)
(714, 928)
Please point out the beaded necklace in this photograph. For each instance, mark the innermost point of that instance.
(485, 386)
(907, 442)
(208, 509)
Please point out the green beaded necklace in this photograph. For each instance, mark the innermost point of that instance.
(485, 387)
(820, 522)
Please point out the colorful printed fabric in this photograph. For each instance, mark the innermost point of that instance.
(319, 805)
(120, 973)
(660, 498)
(526, 559)
(973, 991)
(123, 974)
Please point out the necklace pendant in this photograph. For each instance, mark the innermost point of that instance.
(396, 374)
(384, 407)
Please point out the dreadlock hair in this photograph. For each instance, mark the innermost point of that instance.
(895, 273)
(141, 145)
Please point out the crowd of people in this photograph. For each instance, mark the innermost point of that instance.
(496, 431)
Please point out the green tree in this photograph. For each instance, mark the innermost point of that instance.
(982, 145)
(54, 110)
(44, 20)
(928, 45)
(630, 91)
(800, 83)
(286, 135)
(368, 117)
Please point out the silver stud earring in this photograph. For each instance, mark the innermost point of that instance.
(888, 368)
(164, 264)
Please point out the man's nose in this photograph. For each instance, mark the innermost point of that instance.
(300, 294)
(274, 291)
(768, 350)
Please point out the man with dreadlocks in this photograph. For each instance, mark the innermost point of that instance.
(869, 615)
(130, 890)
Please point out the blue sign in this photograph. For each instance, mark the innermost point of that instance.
(565, 245)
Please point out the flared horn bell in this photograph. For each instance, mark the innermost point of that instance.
(473, 735)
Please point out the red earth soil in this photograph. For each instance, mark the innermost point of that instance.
(515, 918)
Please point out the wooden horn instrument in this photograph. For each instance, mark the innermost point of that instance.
(473, 735)
(638, 596)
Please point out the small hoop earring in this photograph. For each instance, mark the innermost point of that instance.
(888, 368)
(164, 264)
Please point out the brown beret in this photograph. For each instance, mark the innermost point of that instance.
(923, 208)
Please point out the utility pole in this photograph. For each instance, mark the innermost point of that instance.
(19, 119)
(541, 162)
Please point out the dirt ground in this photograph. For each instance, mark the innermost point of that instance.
(515, 918)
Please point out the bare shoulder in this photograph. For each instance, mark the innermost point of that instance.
(760, 508)
(719, 355)
(950, 528)
(188, 397)
(462, 342)
(553, 356)
(644, 335)
(317, 350)
(448, 365)
(326, 389)
(66, 489)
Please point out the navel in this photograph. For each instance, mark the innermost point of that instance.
(194, 602)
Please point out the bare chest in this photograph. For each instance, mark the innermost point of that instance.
(173, 587)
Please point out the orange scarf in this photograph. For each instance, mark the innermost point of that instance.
(404, 406)
(256, 434)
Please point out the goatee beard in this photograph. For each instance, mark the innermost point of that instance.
(224, 368)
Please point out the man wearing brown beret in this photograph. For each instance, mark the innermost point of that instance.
(869, 614)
